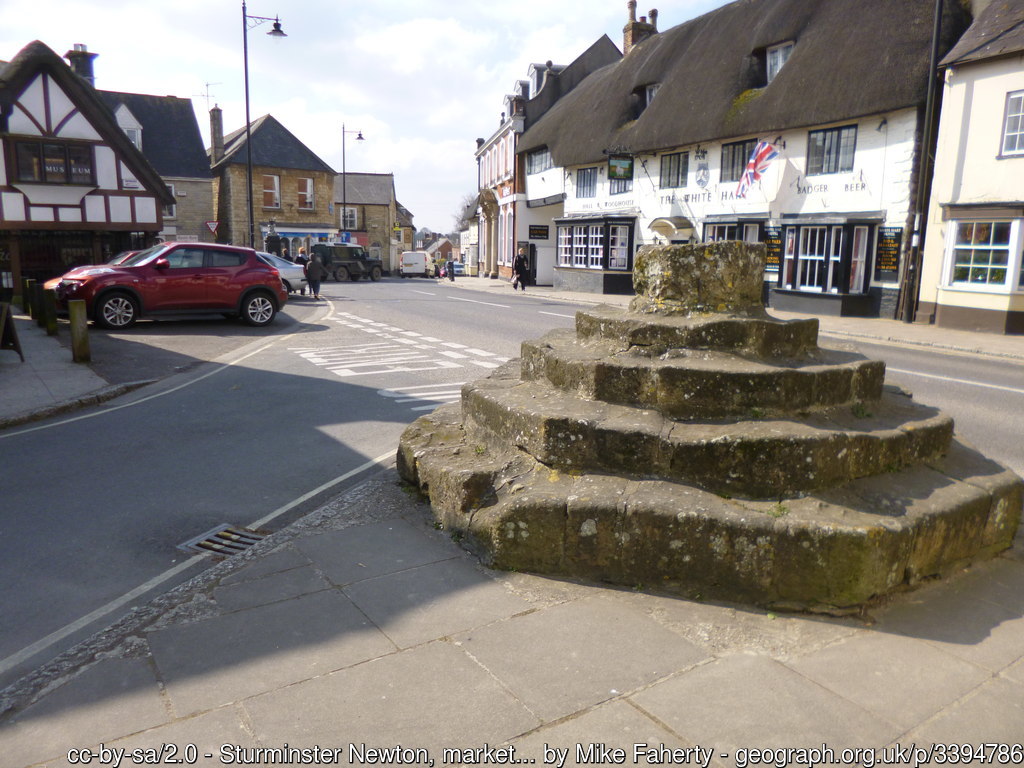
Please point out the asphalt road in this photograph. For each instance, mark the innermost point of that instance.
(255, 427)
(246, 427)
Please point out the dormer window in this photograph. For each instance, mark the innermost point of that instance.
(649, 92)
(128, 123)
(775, 57)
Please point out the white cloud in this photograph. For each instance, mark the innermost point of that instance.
(421, 78)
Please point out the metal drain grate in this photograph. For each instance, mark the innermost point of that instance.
(223, 540)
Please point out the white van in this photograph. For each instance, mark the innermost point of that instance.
(414, 264)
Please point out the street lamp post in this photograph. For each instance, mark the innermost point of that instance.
(247, 23)
(344, 178)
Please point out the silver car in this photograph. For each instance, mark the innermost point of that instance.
(293, 276)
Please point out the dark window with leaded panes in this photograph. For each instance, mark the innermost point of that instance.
(539, 161)
(674, 168)
(586, 182)
(735, 157)
(51, 162)
(831, 150)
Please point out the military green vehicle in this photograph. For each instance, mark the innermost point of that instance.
(345, 261)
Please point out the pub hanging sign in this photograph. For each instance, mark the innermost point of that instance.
(887, 253)
(620, 167)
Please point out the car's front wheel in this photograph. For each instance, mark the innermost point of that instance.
(116, 311)
(258, 309)
(375, 274)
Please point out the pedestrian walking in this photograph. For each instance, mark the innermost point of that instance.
(520, 270)
(303, 259)
(315, 273)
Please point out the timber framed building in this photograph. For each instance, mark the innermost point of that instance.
(73, 188)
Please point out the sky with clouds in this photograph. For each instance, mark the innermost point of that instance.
(422, 79)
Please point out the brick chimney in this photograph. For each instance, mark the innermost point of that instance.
(636, 31)
(216, 135)
(81, 62)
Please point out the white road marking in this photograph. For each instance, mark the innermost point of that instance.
(486, 303)
(555, 314)
(1015, 390)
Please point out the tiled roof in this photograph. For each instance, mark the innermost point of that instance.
(998, 31)
(170, 134)
(273, 146)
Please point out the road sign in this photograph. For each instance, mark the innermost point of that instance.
(212, 226)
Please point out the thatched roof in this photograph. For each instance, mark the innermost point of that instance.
(851, 58)
(998, 31)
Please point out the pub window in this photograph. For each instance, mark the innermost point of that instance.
(586, 182)
(775, 57)
(717, 232)
(595, 247)
(52, 162)
(674, 168)
(735, 157)
(620, 186)
(271, 191)
(831, 150)
(1013, 129)
(618, 247)
(305, 193)
(539, 161)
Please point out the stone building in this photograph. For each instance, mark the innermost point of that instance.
(292, 188)
(370, 214)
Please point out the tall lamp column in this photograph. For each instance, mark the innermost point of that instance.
(247, 23)
(344, 180)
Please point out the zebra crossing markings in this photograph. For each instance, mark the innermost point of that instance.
(430, 394)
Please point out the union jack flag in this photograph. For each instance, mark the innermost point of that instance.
(758, 163)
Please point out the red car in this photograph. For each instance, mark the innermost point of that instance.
(177, 278)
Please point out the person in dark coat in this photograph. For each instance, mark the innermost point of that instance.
(315, 273)
(302, 259)
(520, 270)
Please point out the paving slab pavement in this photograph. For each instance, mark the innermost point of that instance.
(363, 626)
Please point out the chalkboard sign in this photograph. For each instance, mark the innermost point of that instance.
(887, 253)
(773, 242)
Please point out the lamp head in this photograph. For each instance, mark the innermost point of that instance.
(277, 31)
(359, 136)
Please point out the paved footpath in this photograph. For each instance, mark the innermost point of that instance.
(361, 634)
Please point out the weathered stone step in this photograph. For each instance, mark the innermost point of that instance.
(756, 333)
(692, 384)
(768, 458)
(829, 550)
